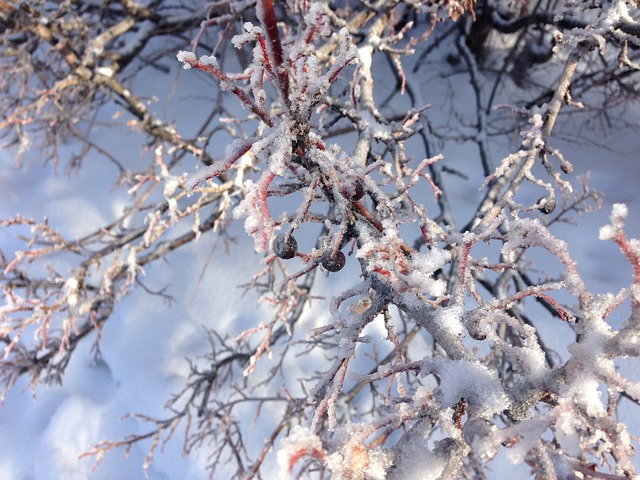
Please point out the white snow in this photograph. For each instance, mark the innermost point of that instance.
(450, 318)
(471, 381)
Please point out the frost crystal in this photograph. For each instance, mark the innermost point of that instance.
(274, 148)
(71, 288)
(618, 12)
(258, 222)
(533, 136)
(209, 60)
(619, 212)
(186, 58)
(607, 232)
(252, 31)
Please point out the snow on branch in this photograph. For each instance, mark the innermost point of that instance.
(232, 153)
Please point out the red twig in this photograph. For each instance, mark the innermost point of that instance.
(302, 453)
(632, 256)
(265, 54)
(229, 85)
(267, 15)
(362, 210)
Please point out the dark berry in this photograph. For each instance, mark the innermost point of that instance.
(334, 264)
(547, 205)
(476, 331)
(285, 246)
(358, 189)
(566, 167)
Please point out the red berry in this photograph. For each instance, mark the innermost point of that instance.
(285, 246)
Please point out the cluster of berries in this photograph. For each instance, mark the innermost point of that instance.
(286, 247)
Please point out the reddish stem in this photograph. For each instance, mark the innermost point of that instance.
(634, 260)
(632, 256)
(267, 15)
(229, 84)
(425, 235)
(362, 210)
(463, 264)
(265, 181)
(265, 54)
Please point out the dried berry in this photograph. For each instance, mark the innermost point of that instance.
(358, 190)
(476, 331)
(566, 167)
(335, 263)
(547, 205)
(285, 246)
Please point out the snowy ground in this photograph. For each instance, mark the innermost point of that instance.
(145, 344)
